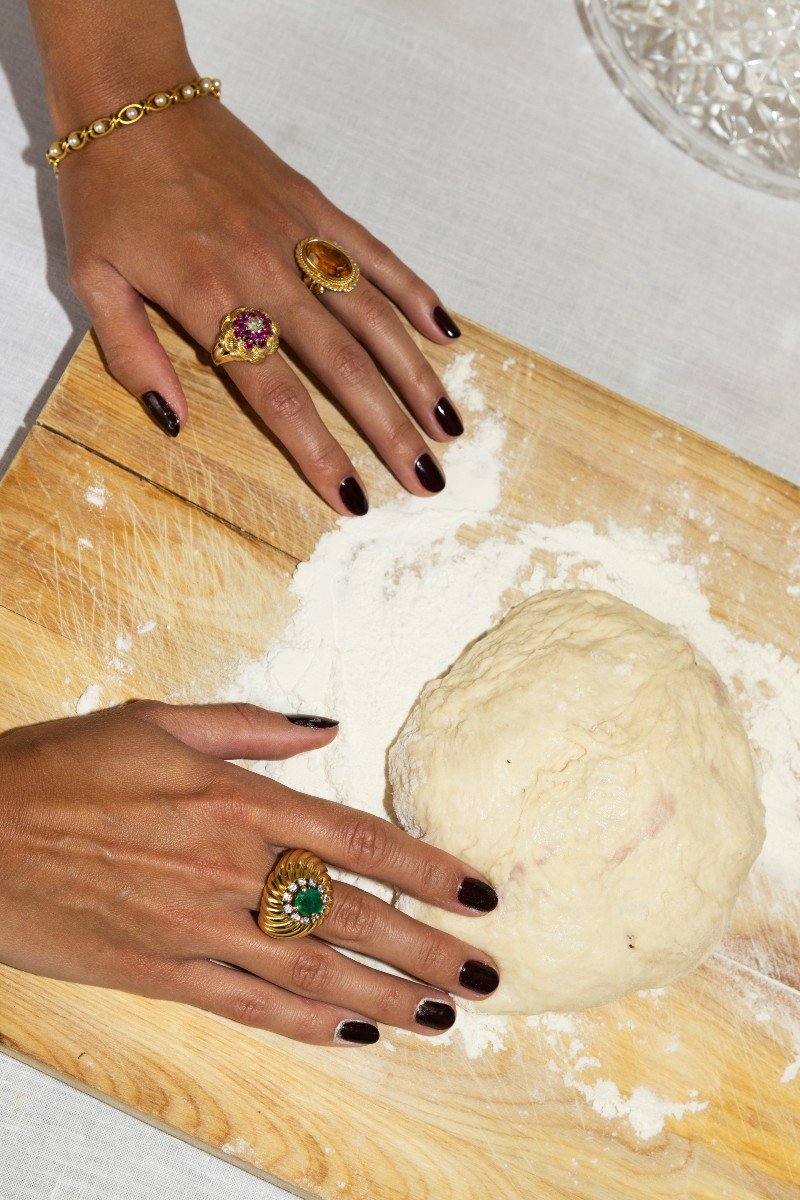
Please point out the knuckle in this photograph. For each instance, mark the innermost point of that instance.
(306, 192)
(383, 258)
(351, 364)
(356, 915)
(249, 1008)
(367, 841)
(327, 460)
(285, 400)
(310, 971)
(399, 434)
(83, 279)
(422, 379)
(432, 954)
(375, 312)
(214, 868)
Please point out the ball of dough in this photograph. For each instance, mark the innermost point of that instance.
(587, 759)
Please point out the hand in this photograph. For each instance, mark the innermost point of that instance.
(132, 855)
(191, 210)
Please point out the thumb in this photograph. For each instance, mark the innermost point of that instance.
(238, 730)
(133, 353)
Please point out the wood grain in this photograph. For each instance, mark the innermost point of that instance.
(193, 545)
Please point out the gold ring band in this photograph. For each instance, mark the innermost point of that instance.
(245, 335)
(297, 897)
(326, 266)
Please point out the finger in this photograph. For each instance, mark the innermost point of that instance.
(411, 294)
(133, 353)
(362, 843)
(349, 372)
(370, 317)
(307, 967)
(239, 730)
(277, 395)
(253, 1001)
(362, 922)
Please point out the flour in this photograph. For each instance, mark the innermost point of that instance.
(97, 495)
(89, 700)
(389, 601)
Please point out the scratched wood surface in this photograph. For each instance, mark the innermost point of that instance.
(183, 550)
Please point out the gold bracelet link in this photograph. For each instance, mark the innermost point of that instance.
(129, 114)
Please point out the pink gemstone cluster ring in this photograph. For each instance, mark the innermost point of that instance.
(245, 335)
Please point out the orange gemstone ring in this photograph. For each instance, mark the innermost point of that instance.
(325, 266)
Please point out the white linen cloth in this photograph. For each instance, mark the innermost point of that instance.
(486, 144)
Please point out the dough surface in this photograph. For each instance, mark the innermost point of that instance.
(586, 758)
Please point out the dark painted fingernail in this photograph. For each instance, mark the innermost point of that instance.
(428, 473)
(354, 496)
(360, 1033)
(435, 1015)
(448, 418)
(474, 893)
(312, 722)
(446, 322)
(478, 977)
(161, 413)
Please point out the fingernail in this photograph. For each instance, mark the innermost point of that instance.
(312, 722)
(446, 322)
(161, 413)
(435, 1015)
(478, 977)
(359, 1033)
(474, 893)
(428, 473)
(353, 496)
(448, 418)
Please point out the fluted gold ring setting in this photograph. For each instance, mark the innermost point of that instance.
(245, 335)
(297, 897)
(326, 266)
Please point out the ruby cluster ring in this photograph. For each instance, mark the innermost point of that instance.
(245, 335)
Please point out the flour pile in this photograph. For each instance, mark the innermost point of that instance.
(388, 602)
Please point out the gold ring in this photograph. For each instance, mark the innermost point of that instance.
(297, 897)
(245, 335)
(325, 266)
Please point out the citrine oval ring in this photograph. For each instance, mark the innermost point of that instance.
(245, 335)
(297, 897)
(325, 266)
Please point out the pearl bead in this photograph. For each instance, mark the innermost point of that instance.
(205, 85)
(216, 83)
(74, 140)
(131, 113)
(100, 126)
(160, 100)
(54, 150)
(187, 90)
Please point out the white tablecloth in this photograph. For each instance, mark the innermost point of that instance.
(488, 147)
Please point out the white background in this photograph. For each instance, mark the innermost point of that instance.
(488, 147)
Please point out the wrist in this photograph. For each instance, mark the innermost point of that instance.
(97, 56)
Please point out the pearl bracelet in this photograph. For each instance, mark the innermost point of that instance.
(129, 114)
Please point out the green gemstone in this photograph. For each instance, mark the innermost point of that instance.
(309, 902)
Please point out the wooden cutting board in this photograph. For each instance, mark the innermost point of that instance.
(106, 525)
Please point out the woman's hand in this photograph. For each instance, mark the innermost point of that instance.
(191, 210)
(133, 855)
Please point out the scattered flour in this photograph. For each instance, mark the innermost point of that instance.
(89, 700)
(389, 601)
(792, 1071)
(461, 381)
(146, 627)
(96, 495)
(85, 543)
(508, 363)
